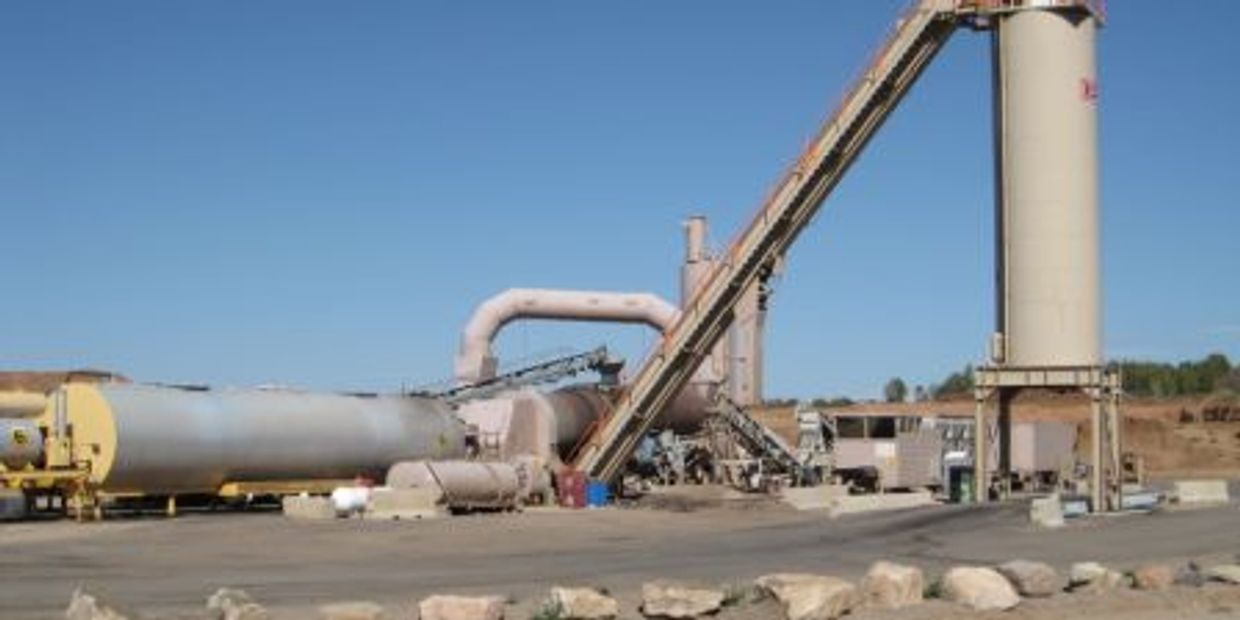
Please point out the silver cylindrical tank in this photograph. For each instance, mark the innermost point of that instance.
(576, 408)
(21, 443)
(22, 404)
(156, 440)
(1046, 104)
(462, 484)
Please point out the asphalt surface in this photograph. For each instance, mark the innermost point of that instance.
(170, 566)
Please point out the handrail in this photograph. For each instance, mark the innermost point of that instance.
(1098, 8)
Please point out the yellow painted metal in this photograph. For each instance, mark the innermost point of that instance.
(92, 445)
(281, 487)
(132, 440)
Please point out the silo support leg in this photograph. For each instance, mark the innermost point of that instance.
(1097, 479)
(1114, 432)
(979, 450)
(1005, 443)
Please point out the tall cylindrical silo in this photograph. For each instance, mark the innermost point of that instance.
(1047, 217)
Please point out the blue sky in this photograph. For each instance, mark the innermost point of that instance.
(318, 193)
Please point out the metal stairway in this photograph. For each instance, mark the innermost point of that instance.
(760, 440)
(918, 36)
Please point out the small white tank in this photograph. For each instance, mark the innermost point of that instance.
(21, 443)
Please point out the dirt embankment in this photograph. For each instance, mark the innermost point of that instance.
(1181, 437)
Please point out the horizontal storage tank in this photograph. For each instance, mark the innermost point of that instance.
(551, 424)
(462, 484)
(162, 440)
(22, 404)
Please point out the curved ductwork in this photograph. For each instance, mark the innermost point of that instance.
(474, 361)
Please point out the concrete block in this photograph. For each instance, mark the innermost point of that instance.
(395, 504)
(853, 504)
(1201, 492)
(12, 505)
(1046, 512)
(313, 508)
(812, 498)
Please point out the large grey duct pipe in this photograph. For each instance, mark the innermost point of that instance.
(475, 361)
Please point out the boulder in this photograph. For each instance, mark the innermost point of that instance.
(234, 604)
(357, 610)
(810, 597)
(671, 599)
(1031, 579)
(448, 607)
(1190, 575)
(1226, 573)
(1095, 578)
(979, 588)
(1153, 577)
(85, 606)
(583, 604)
(892, 586)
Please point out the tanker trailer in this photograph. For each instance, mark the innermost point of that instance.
(127, 439)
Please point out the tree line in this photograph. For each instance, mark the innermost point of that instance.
(1211, 374)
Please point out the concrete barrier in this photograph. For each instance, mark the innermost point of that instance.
(313, 508)
(853, 504)
(812, 498)
(395, 504)
(1197, 492)
(1046, 511)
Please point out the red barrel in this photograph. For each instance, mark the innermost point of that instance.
(571, 487)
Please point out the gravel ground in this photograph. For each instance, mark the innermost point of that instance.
(166, 568)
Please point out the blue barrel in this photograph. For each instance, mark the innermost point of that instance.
(597, 494)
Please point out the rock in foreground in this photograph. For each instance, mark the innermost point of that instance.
(979, 588)
(1032, 579)
(447, 607)
(891, 586)
(810, 597)
(1093, 577)
(234, 604)
(85, 606)
(1153, 577)
(583, 604)
(670, 599)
